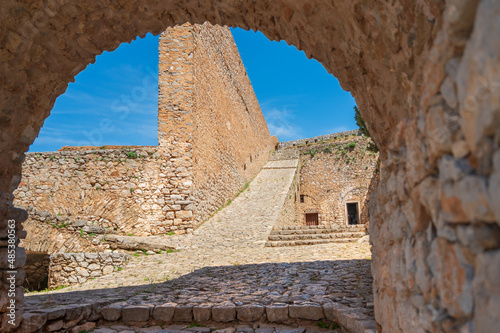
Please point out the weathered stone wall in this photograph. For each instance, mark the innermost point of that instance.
(425, 76)
(201, 78)
(435, 219)
(51, 233)
(71, 268)
(37, 270)
(118, 189)
(333, 173)
(318, 139)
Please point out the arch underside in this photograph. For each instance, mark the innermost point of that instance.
(413, 68)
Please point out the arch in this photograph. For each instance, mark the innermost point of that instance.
(404, 83)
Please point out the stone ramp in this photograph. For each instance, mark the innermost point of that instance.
(249, 219)
(312, 235)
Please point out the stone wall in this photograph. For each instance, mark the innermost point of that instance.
(37, 270)
(205, 155)
(201, 78)
(424, 75)
(333, 174)
(118, 189)
(318, 139)
(71, 268)
(50, 233)
(231, 140)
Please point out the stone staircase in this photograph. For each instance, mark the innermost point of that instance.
(312, 235)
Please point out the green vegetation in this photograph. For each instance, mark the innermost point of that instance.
(328, 150)
(131, 154)
(312, 152)
(47, 289)
(170, 233)
(332, 326)
(372, 146)
(195, 325)
(119, 269)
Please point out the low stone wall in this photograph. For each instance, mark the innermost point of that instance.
(71, 268)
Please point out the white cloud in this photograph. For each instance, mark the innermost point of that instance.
(280, 123)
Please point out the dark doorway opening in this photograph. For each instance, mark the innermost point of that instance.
(312, 219)
(352, 213)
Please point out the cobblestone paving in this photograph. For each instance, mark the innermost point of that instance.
(225, 261)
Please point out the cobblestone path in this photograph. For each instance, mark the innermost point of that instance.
(225, 260)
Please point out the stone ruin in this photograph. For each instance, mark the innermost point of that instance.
(425, 77)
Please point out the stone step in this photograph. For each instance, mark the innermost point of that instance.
(144, 315)
(310, 242)
(317, 236)
(334, 226)
(316, 231)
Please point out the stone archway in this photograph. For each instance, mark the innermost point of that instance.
(424, 75)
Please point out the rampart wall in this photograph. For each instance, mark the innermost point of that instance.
(212, 140)
(231, 138)
(318, 139)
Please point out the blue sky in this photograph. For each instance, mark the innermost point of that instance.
(114, 101)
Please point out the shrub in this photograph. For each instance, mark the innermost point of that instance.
(131, 154)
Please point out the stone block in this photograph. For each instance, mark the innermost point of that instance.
(73, 312)
(54, 326)
(290, 330)
(107, 270)
(112, 312)
(164, 312)
(202, 313)
(224, 312)
(86, 327)
(33, 322)
(80, 271)
(277, 312)
(136, 313)
(308, 311)
(184, 214)
(183, 313)
(250, 312)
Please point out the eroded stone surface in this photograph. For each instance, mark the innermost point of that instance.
(393, 56)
